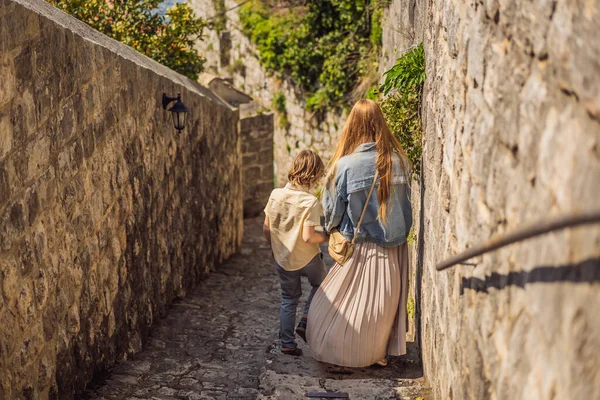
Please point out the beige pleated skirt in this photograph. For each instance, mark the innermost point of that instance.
(358, 315)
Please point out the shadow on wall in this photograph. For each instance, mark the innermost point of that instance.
(418, 280)
(587, 271)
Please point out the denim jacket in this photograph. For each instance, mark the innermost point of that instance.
(343, 204)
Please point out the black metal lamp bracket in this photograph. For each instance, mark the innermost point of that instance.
(166, 99)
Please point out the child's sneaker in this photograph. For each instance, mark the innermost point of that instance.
(301, 328)
(292, 352)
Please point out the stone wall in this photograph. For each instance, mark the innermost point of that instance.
(106, 213)
(403, 28)
(256, 134)
(512, 135)
(231, 54)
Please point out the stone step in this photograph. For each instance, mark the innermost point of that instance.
(292, 386)
(288, 377)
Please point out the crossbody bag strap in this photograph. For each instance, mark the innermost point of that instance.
(365, 207)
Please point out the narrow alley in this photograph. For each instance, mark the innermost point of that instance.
(221, 343)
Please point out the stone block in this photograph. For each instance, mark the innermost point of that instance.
(8, 86)
(249, 159)
(4, 185)
(6, 135)
(39, 157)
(19, 122)
(264, 188)
(33, 205)
(45, 99)
(252, 174)
(24, 65)
(11, 282)
(265, 156)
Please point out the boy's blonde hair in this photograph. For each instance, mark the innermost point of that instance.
(307, 169)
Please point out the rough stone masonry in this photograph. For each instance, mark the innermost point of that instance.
(256, 134)
(512, 136)
(230, 53)
(106, 213)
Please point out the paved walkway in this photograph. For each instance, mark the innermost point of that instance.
(221, 343)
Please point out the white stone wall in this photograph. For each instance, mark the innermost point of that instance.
(512, 135)
(305, 130)
(403, 27)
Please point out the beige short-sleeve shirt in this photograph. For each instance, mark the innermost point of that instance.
(289, 209)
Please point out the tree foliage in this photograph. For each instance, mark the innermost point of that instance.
(168, 39)
(325, 46)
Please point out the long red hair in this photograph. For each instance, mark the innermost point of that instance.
(366, 123)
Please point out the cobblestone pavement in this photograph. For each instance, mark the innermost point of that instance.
(221, 343)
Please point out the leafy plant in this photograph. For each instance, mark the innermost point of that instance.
(279, 102)
(407, 74)
(412, 237)
(280, 107)
(402, 107)
(238, 67)
(324, 46)
(402, 115)
(284, 122)
(410, 307)
(372, 93)
(219, 22)
(168, 39)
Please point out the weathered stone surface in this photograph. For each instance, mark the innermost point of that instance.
(256, 134)
(511, 136)
(237, 58)
(287, 377)
(221, 342)
(106, 213)
(403, 27)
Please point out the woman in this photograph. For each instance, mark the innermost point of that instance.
(358, 316)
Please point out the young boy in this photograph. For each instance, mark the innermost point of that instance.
(291, 216)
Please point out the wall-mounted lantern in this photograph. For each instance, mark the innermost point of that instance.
(178, 111)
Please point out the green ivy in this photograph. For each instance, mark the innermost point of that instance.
(325, 46)
(237, 67)
(403, 86)
(279, 102)
(280, 107)
(219, 22)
